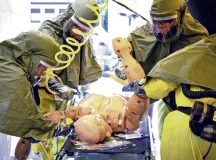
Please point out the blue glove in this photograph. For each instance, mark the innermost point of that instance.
(138, 86)
(120, 74)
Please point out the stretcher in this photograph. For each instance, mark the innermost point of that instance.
(137, 142)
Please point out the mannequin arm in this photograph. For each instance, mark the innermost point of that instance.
(132, 68)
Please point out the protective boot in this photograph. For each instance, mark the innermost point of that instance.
(23, 148)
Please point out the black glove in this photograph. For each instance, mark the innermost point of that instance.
(62, 90)
(62, 130)
(138, 86)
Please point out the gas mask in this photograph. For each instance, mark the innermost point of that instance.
(165, 28)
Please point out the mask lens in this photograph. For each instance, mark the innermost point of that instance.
(165, 29)
(69, 31)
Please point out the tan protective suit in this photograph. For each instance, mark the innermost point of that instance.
(148, 51)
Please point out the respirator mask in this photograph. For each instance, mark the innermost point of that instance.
(165, 28)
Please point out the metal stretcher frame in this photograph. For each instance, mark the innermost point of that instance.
(115, 145)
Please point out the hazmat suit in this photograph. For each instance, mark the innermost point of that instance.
(20, 57)
(189, 130)
(148, 50)
(194, 65)
(84, 68)
(20, 114)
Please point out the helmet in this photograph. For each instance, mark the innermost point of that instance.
(166, 16)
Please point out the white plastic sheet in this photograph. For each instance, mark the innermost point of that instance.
(14, 17)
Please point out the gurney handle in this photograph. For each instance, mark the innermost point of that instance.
(66, 147)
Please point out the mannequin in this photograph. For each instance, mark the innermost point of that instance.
(97, 116)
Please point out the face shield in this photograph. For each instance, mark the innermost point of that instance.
(72, 24)
(81, 10)
(165, 28)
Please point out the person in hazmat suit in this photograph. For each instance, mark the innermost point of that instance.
(187, 79)
(83, 70)
(24, 99)
(172, 28)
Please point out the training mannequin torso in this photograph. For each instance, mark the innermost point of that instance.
(100, 116)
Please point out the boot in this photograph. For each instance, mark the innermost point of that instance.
(23, 148)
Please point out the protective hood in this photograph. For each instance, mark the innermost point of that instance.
(195, 64)
(187, 24)
(81, 9)
(165, 8)
(84, 68)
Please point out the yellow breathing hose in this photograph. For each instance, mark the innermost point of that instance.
(68, 50)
